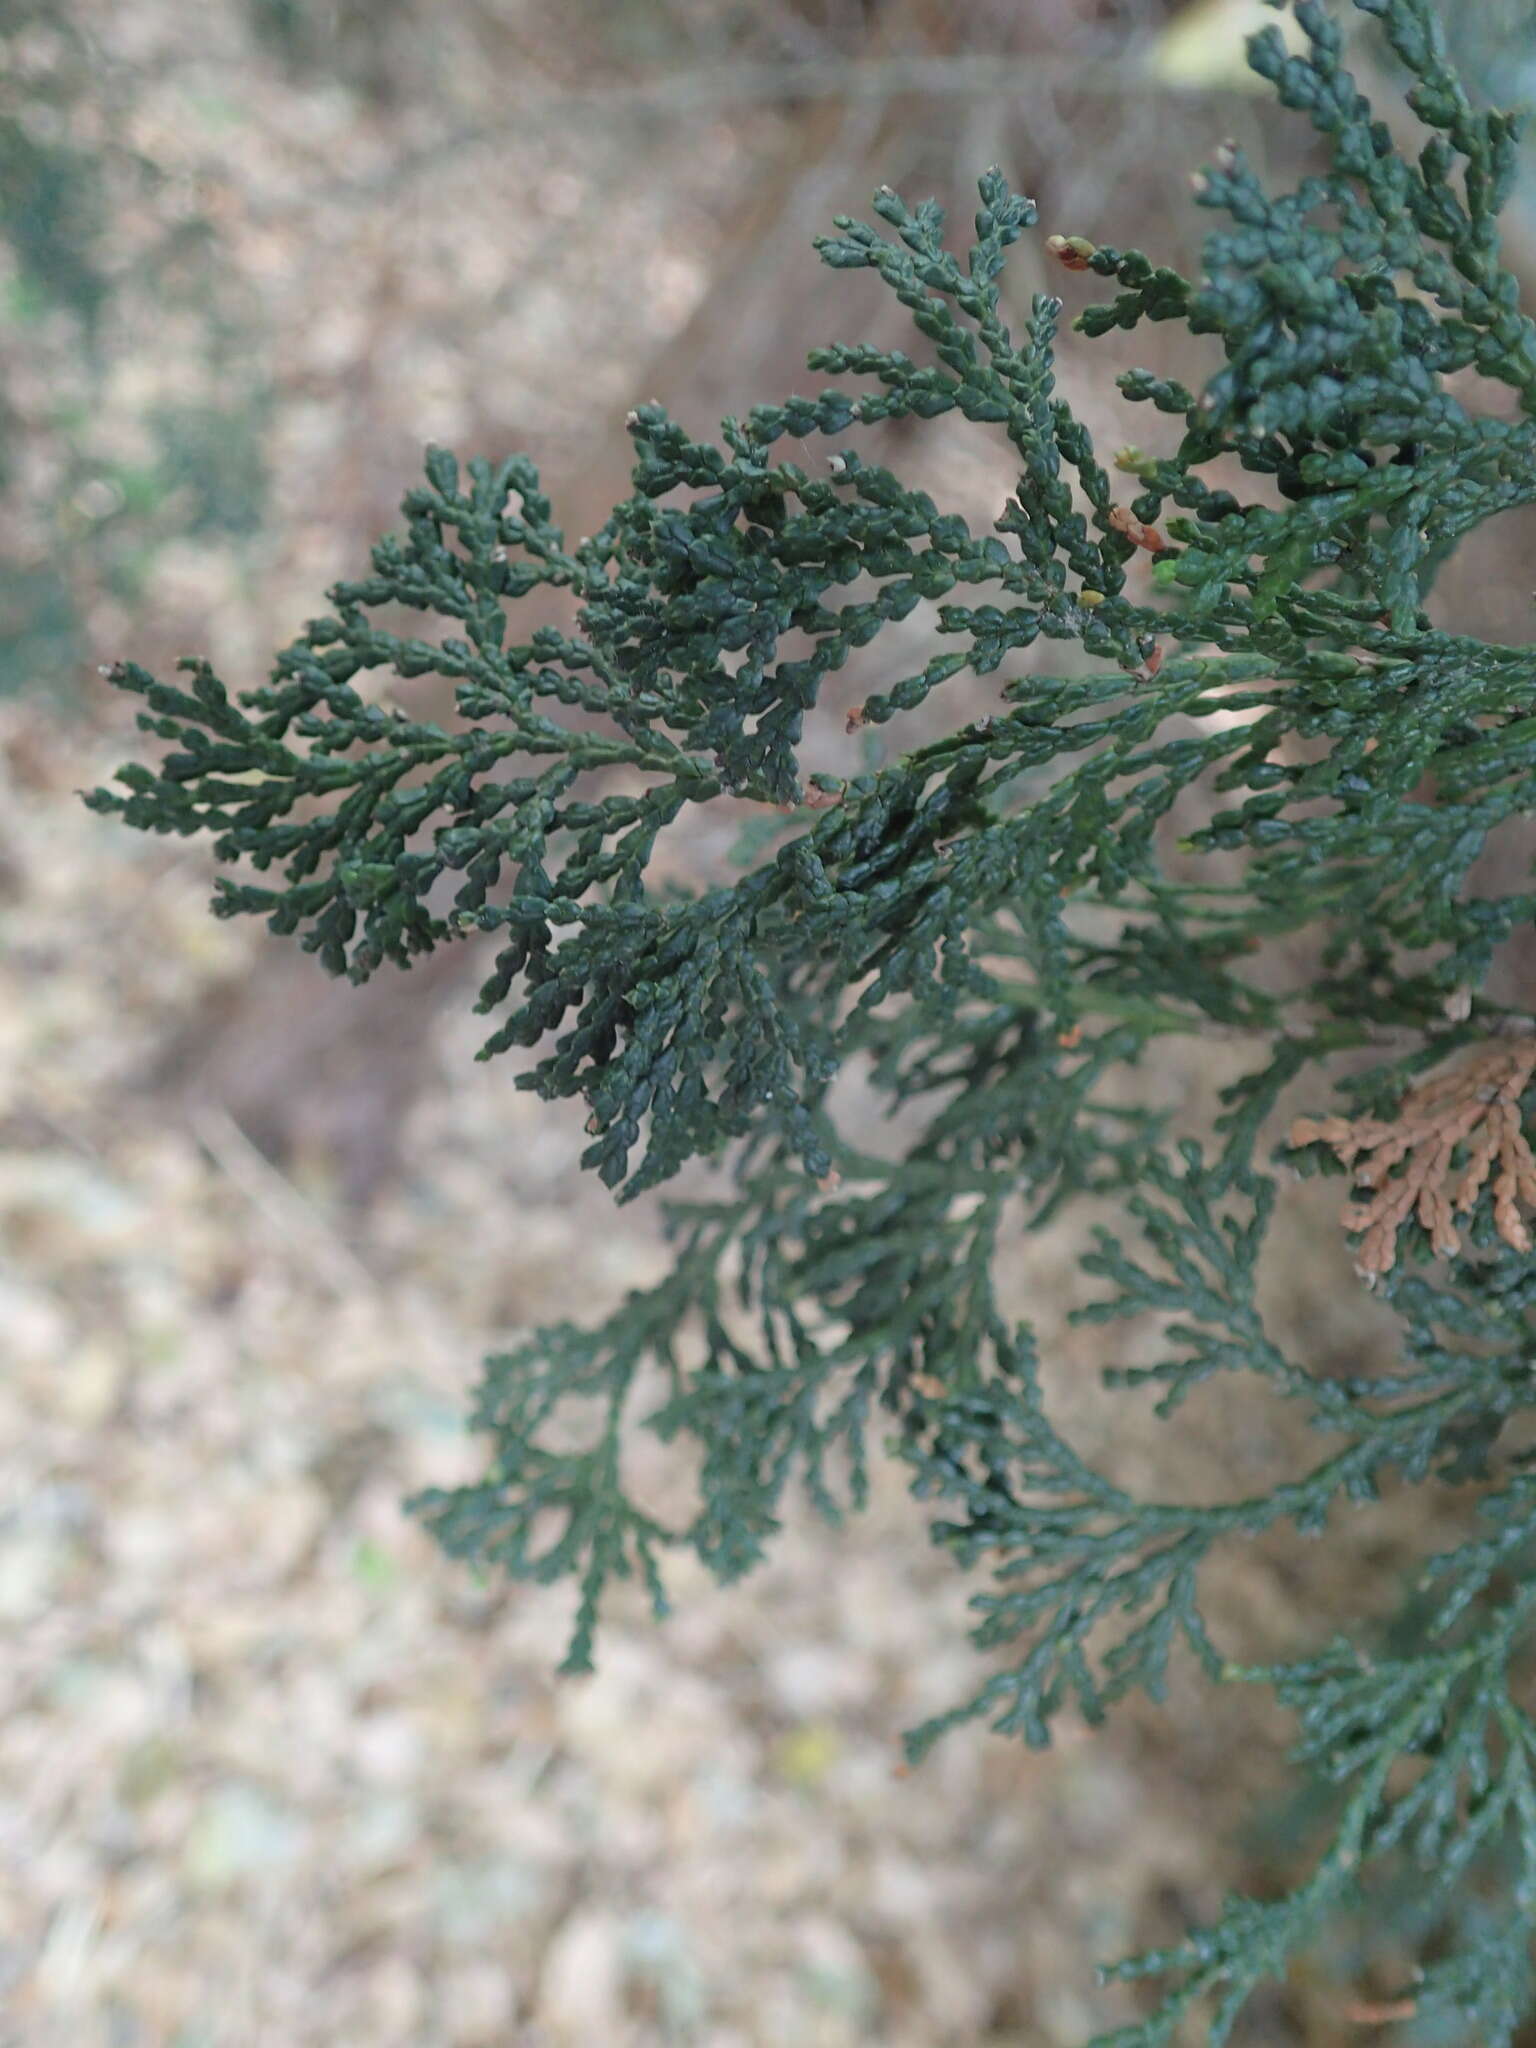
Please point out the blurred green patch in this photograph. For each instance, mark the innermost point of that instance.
(40, 629)
(23, 301)
(53, 215)
(805, 1755)
(373, 1567)
(211, 467)
(364, 44)
(148, 1769)
(78, 524)
(240, 1832)
(109, 521)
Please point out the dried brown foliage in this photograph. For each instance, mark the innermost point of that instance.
(1136, 531)
(1410, 1161)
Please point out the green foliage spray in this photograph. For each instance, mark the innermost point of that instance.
(992, 923)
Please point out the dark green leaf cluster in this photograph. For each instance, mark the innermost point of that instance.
(994, 925)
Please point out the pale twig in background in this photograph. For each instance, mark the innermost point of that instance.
(306, 1227)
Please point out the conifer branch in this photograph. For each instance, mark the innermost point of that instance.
(995, 924)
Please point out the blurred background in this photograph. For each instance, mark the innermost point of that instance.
(272, 1772)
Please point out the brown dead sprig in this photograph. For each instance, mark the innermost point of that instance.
(1408, 1162)
(1137, 531)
